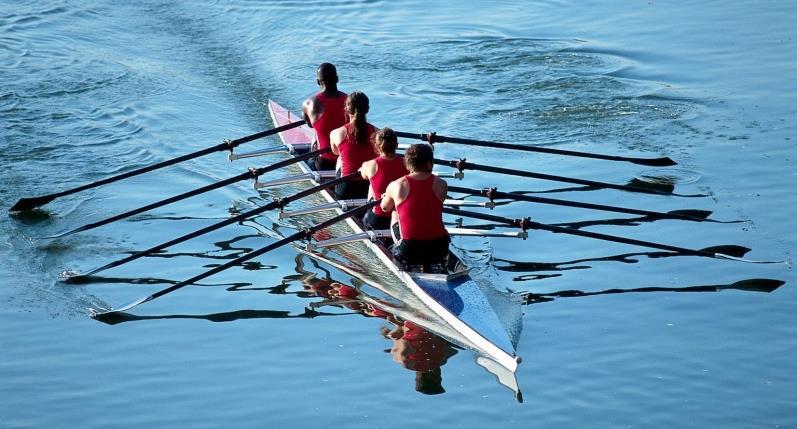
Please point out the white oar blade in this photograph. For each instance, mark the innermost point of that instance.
(99, 313)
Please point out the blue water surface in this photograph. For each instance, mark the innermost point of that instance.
(94, 88)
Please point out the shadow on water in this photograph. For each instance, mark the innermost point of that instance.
(413, 347)
(580, 264)
(749, 285)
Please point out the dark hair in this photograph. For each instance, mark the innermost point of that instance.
(418, 156)
(386, 141)
(357, 108)
(327, 73)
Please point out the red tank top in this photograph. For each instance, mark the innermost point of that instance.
(332, 117)
(421, 214)
(352, 155)
(387, 170)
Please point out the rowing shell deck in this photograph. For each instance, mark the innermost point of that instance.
(453, 305)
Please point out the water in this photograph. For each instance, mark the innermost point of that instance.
(94, 88)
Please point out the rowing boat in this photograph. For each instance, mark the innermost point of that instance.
(453, 305)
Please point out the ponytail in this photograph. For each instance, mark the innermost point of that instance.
(357, 105)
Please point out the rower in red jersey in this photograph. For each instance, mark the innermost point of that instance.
(380, 171)
(421, 240)
(324, 112)
(353, 143)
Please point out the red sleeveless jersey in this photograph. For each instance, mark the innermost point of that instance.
(387, 170)
(421, 214)
(332, 117)
(352, 155)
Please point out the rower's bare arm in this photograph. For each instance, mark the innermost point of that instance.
(368, 169)
(311, 110)
(388, 203)
(441, 188)
(335, 137)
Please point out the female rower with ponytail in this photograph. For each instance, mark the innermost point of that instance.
(353, 145)
(380, 172)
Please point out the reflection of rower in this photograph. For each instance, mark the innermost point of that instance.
(421, 239)
(353, 143)
(421, 351)
(325, 112)
(380, 172)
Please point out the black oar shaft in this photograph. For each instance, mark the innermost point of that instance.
(562, 230)
(435, 138)
(235, 219)
(248, 175)
(463, 165)
(307, 233)
(32, 202)
(493, 193)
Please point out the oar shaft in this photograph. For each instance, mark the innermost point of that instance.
(595, 235)
(463, 165)
(435, 138)
(235, 219)
(29, 203)
(492, 193)
(307, 233)
(185, 195)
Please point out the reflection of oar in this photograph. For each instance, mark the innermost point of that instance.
(251, 174)
(305, 234)
(113, 319)
(463, 165)
(29, 203)
(491, 193)
(433, 138)
(528, 224)
(76, 277)
(749, 285)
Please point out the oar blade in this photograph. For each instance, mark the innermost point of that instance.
(755, 285)
(30, 203)
(729, 249)
(100, 313)
(694, 213)
(664, 188)
(665, 161)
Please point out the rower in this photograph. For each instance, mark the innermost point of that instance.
(324, 112)
(421, 240)
(380, 171)
(353, 143)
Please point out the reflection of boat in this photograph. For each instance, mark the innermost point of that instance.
(452, 305)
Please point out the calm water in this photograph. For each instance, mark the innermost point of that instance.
(89, 89)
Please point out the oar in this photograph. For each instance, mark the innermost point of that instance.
(29, 203)
(433, 138)
(78, 277)
(749, 285)
(305, 234)
(251, 174)
(463, 165)
(492, 193)
(526, 223)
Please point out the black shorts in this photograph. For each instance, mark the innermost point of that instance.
(351, 189)
(419, 252)
(373, 221)
(322, 164)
